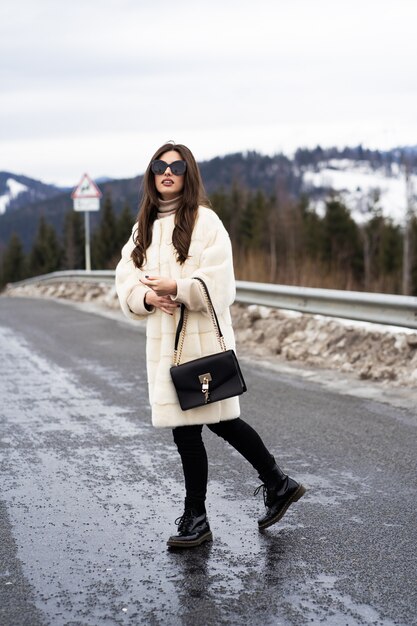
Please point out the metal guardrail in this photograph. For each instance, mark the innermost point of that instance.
(354, 305)
(69, 276)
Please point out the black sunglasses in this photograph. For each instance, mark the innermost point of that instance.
(177, 167)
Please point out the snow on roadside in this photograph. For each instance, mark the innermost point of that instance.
(368, 351)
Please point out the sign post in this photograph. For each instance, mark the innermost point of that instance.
(86, 198)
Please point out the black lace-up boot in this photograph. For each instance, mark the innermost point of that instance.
(279, 491)
(193, 530)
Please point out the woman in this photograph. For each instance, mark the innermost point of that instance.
(177, 237)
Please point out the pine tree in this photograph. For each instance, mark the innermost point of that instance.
(105, 246)
(124, 226)
(238, 198)
(312, 226)
(229, 206)
(342, 250)
(46, 253)
(390, 257)
(253, 219)
(74, 245)
(371, 236)
(220, 201)
(14, 261)
(414, 256)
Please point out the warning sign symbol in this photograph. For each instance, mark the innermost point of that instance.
(86, 188)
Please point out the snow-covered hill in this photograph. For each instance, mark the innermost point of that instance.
(17, 191)
(361, 187)
(13, 189)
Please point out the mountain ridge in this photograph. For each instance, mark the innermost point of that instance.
(353, 172)
(18, 190)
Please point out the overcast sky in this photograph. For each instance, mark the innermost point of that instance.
(98, 86)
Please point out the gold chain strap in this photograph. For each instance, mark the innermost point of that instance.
(220, 338)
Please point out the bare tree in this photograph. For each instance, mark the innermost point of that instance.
(407, 246)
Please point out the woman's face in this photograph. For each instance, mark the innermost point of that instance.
(169, 185)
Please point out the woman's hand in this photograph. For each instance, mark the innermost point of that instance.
(160, 285)
(161, 289)
(161, 302)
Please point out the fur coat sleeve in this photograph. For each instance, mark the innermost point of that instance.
(131, 292)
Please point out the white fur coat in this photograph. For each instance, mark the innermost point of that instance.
(210, 257)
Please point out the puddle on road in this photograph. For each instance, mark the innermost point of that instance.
(334, 489)
(319, 601)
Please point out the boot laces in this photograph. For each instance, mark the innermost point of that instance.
(184, 519)
(269, 492)
(264, 492)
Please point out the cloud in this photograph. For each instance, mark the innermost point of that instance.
(86, 74)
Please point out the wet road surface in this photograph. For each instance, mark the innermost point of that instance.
(90, 492)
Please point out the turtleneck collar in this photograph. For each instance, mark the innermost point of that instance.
(168, 207)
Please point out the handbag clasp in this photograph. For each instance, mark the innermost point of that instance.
(205, 380)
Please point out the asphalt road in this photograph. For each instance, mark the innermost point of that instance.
(89, 492)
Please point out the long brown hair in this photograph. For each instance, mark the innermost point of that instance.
(193, 195)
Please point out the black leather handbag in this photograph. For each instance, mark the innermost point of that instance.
(210, 378)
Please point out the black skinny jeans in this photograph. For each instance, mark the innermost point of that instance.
(194, 457)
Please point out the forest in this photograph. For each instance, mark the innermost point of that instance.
(276, 238)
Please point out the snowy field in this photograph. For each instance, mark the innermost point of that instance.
(359, 185)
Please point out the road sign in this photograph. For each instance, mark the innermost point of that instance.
(86, 204)
(86, 195)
